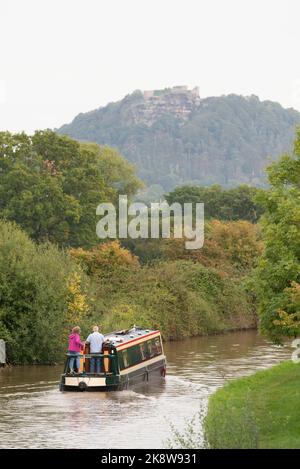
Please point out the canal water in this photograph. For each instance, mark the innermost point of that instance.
(34, 414)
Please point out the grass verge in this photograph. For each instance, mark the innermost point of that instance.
(260, 411)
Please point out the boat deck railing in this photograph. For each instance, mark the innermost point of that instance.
(108, 363)
(90, 355)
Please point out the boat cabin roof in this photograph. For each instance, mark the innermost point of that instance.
(129, 335)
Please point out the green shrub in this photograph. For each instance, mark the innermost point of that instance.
(33, 297)
(181, 298)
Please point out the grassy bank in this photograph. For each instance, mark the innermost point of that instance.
(260, 411)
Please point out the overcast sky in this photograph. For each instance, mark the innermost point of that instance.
(62, 57)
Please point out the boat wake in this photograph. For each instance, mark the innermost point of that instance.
(29, 384)
(175, 380)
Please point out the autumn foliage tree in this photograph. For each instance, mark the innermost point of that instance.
(77, 306)
(232, 248)
(105, 258)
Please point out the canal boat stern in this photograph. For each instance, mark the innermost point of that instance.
(129, 357)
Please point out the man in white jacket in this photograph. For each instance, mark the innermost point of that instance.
(95, 339)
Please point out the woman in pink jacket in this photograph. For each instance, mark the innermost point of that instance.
(75, 347)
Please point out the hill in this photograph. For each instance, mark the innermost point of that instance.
(175, 137)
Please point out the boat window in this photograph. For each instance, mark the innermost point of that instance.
(138, 353)
(135, 355)
(120, 360)
(130, 357)
(145, 350)
(157, 343)
(125, 359)
(151, 348)
(154, 346)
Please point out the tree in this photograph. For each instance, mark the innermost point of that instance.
(116, 173)
(105, 258)
(233, 248)
(51, 185)
(278, 271)
(224, 204)
(289, 319)
(77, 304)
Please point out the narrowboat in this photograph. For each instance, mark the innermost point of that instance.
(128, 358)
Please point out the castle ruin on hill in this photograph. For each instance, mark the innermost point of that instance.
(178, 101)
(182, 91)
